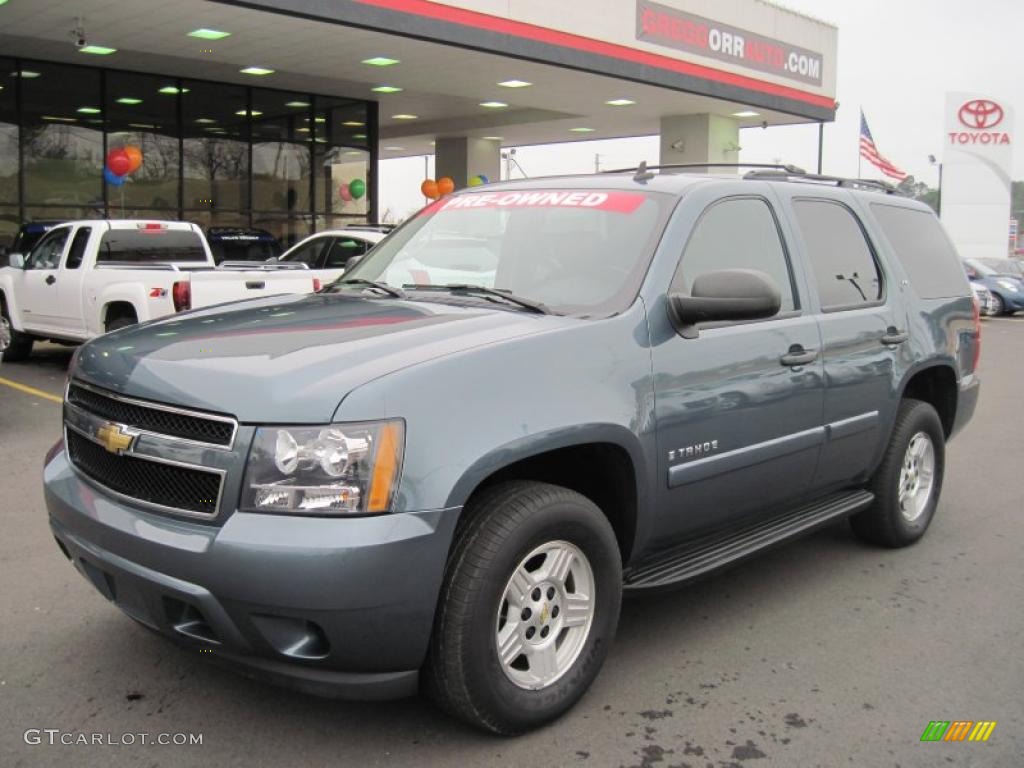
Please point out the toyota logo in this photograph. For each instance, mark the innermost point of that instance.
(981, 114)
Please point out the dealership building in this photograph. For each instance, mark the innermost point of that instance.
(276, 113)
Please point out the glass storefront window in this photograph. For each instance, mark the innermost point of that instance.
(281, 126)
(216, 146)
(287, 229)
(139, 115)
(62, 137)
(342, 157)
(8, 136)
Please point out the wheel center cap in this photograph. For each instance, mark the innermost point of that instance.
(544, 613)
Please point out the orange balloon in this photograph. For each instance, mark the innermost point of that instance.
(429, 189)
(134, 157)
(445, 186)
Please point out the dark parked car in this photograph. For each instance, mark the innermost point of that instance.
(238, 244)
(1006, 289)
(393, 482)
(27, 236)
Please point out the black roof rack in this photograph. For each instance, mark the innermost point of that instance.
(766, 172)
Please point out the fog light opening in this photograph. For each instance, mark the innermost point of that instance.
(293, 637)
(188, 620)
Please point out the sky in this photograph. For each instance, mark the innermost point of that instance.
(897, 60)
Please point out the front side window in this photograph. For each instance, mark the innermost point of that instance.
(844, 266)
(308, 253)
(579, 251)
(47, 253)
(741, 233)
(343, 249)
(150, 245)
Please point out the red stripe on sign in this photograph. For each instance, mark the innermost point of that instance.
(521, 29)
(616, 202)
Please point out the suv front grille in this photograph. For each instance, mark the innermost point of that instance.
(166, 485)
(153, 419)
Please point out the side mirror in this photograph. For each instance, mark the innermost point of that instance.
(16, 260)
(725, 294)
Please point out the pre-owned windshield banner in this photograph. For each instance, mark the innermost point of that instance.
(615, 202)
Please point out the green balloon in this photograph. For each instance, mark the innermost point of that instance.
(357, 187)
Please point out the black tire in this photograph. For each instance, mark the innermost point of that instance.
(120, 322)
(507, 522)
(998, 305)
(884, 523)
(20, 346)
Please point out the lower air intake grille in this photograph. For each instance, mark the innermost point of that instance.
(190, 490)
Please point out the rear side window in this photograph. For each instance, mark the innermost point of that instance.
(924, 249)
(343, 249)
(844, 266)
(309, 253)
(77, 252)
(737, 234)
(150, 245)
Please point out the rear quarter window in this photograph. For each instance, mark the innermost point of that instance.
(924, 249)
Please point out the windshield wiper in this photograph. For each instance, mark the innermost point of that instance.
(396, 292)
(462, 289)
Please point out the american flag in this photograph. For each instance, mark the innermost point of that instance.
(870, 152)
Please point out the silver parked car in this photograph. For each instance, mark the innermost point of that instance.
(986, 304)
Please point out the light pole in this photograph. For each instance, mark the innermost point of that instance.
(938, 202)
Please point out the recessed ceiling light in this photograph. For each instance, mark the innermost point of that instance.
(88, 110)
(171, 90)
(494, 138)
(493, 104)
(146, 126)
(129, 100)
(56, 119)
(258, 71)
(205, 120)
(320, 119)
(746, 113)
(395, 149)
(620, 102)
(26, 73)
(296, 104)
(515, 84)
(355, 152)
(386, 89)
(302, 130)
(250, 113)
(582, 130)
(381, 61)
(353, 124)
(208, 34)
(99, 50)
(358, 135)
(405, 117)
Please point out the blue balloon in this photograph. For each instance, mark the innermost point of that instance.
(112, 178)
(483, 178)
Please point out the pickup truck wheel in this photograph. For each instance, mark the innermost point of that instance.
(528, 610)
(120, 322)
(19, 345)
(908, 481)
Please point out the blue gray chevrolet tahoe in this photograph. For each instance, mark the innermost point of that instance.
(444, 469)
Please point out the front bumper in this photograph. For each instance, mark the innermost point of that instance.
(335, 607)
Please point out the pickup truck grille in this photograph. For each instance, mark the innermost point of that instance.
(165, 485)
(152, 418)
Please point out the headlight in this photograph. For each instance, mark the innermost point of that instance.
(1008, 285)
(337, 469)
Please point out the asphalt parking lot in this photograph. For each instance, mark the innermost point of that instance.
(821, 653)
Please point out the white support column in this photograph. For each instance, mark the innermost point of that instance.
(699, 139)
(461, 158)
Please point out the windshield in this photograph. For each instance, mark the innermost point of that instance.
(575, 251)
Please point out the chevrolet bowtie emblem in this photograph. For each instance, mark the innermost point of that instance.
(114, 438)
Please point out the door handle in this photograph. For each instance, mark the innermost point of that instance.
(893, 337)
(50, 280)
(798, 356)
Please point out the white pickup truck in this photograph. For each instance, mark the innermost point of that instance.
(85, 278)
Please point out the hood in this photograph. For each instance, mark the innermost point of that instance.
(288, 359)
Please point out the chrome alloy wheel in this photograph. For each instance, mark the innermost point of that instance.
(917, 477)
(545, 615)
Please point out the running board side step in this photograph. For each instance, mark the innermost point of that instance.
(697, 557)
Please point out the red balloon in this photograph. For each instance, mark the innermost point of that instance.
(119, 162)
(445, 186)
